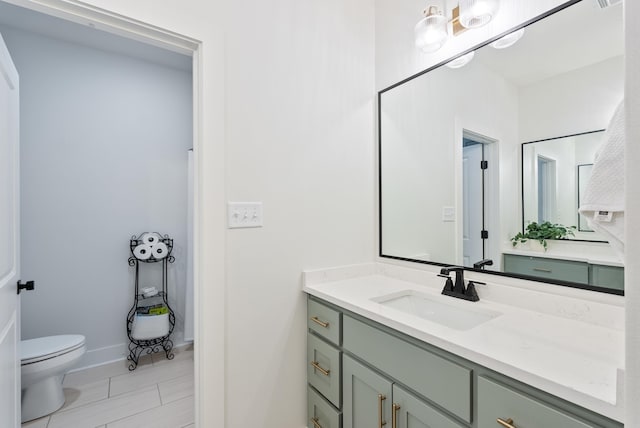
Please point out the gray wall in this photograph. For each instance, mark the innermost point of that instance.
(104, 141)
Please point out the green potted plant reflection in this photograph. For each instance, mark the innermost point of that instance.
(543, 231)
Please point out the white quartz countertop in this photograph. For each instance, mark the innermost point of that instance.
(570, 347)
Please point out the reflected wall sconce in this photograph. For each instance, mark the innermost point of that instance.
(431, 31)
(508, 40)
(461, 61)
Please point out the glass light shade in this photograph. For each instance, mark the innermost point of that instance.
(461, 61)
(431, 31)
(476, 13)
(508, 40)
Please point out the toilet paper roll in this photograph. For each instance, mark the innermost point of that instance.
(142, 251)
(151, 238)
(159, 250)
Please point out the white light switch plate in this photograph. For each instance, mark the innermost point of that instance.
(448, 214)
(244, 214)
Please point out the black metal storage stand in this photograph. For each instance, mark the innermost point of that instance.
(161, 254)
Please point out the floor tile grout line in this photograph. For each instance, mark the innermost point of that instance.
(159, 394)
(134, 414)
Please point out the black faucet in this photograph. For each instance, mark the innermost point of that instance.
(482, 263)
(458, 288)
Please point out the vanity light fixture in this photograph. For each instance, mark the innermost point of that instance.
(461, 61)
(431, 31)
(508, 40)
(476, 13)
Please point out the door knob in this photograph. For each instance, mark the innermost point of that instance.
(29, 285)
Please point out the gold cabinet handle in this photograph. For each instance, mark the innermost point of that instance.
(381, 398)
(394, 415)
(542, 270)
(320, 369)
(320, 323)
(315, 423)
(506, 424)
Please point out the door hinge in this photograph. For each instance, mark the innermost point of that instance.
(29, 285)
(484, 234)
(484, 164)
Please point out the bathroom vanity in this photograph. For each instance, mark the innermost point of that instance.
(384, 347)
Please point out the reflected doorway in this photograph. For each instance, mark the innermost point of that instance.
(475, 206)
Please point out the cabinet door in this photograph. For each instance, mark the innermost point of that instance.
(410, 412)
(366, 397)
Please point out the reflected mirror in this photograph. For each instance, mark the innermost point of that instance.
(469, 156)
(555, 173)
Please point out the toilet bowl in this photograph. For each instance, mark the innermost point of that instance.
(44, 362)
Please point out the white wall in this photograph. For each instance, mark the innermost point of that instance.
(299, 131)
(104, 141)
(300, 120)
(588, 98)
(423, 146)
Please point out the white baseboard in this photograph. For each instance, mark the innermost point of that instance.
(113, 353)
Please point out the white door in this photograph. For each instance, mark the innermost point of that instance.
(472, 205)
(9, 242)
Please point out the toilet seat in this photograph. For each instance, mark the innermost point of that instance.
(45, 348)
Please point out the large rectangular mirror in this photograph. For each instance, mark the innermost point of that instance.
(457, 182)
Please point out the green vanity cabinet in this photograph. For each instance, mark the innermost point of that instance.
(372, 400)
(367, 396)
(438, 379)
(498, 402)
(378, 377)
(321, 413)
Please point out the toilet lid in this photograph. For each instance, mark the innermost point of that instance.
(33, 350)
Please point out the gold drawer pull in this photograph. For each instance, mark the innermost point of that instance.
(320, 323)
(320, 369)
(394, 416)
(542, 270)
(506, 424)
(381, 398)
(315, 423)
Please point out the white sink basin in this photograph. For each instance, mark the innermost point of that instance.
(459, 315)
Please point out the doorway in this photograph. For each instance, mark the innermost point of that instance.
(132, 52)
(477, 159)
(546, 183)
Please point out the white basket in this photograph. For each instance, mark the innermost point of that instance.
(147, 327)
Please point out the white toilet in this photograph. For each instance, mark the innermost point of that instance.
(45, 361)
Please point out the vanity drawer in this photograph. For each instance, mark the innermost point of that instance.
(498, 401)
(324, 321)
(324, 368)
(321, 414)
(439, 380)
(563, 270)
(607, 276)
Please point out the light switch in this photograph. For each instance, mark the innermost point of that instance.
(448, 214)
(244, 214)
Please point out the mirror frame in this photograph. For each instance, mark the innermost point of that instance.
(379, 130)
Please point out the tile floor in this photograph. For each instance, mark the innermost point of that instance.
(158, 394)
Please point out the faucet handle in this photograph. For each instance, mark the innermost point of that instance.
(443, 276)
(471, 292)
